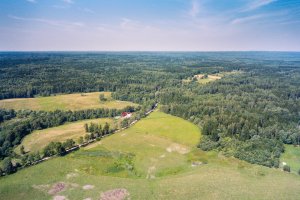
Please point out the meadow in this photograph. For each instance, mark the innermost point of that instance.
(41, 138)
(291, 157)
(207, 78)
(156, 158)
(78, 101)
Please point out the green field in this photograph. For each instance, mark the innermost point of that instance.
(291, 157)
(41, 138)
(65, 102)
(154, 159)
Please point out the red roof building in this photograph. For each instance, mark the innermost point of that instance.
(126, 114)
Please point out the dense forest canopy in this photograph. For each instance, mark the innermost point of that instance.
(249, 114)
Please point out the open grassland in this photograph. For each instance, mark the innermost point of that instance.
(41, 138)
(206, 78)
(65, 102)
(154, 159)
(291, 157)
(160, 145)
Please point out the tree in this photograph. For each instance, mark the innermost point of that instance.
(106, 128)
(24, 160)
(99, 131)
(80, 140)
(87, 137)
(102, 97)
(68, 144)
(124, 123)
(1, 171)
(7, 166)
(299, 171)
(92, 127)
(60, 150)
(49, 150)
(22, 151)
(37, 156)
(30, 159)
(86, 127)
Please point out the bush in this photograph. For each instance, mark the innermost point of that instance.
(299, 171)
(102, 97)
(7, 166)
(286, 168)
(207, 145)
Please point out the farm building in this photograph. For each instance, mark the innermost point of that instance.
(126, 114)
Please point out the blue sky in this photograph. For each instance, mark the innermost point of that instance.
(151, 25)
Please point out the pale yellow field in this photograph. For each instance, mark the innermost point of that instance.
(65, 102)
(41, 138)
(210, 78)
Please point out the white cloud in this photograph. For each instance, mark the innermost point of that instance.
(242, 20)
(195, 8)
(64, 24)
(257, 4)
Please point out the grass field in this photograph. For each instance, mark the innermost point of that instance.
(65, 102)
(291, 157)
(154, 159)
(202, 79)
(41, 138)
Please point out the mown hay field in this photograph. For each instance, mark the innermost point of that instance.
(41, 138)
(79, 101)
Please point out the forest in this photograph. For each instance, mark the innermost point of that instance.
(249, 115)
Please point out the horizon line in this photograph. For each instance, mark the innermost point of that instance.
(162, 51)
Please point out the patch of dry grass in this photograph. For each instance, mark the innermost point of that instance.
(65, 102)
(204, 79)
(39, 139)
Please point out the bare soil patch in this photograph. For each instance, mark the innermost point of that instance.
(56, 188)
(197, 163)
(88, 187)
(177, 148)
(162, 156)
(58, 197)
(116, 194)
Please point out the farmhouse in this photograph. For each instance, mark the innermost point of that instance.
(126, 115)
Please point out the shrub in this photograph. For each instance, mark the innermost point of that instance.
(286, 168)
(207, 145)
(7, 166)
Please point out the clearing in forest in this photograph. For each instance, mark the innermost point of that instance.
(79, 101)
(41, 138)
(207, 78)
(291, 157)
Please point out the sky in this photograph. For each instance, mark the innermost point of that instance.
(150, 25)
